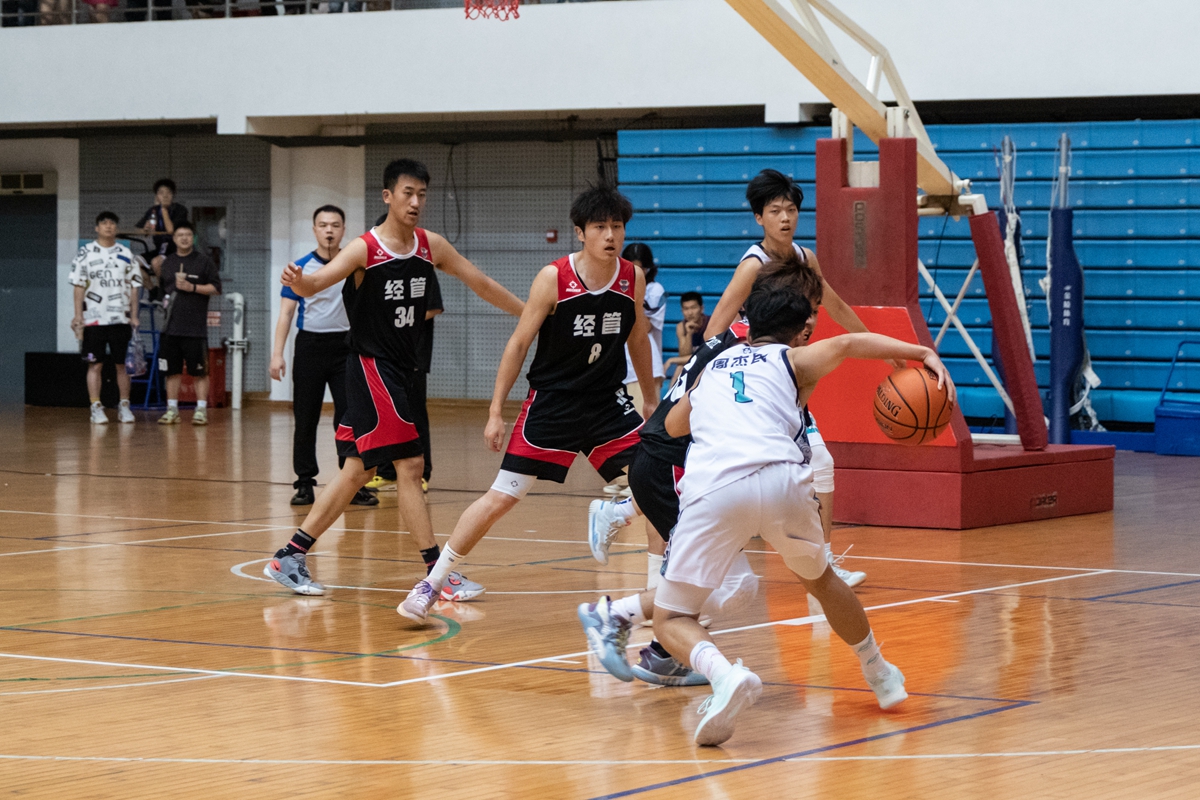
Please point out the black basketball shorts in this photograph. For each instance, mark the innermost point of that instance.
(378, 426)
(655, 486)
(105, 343)
(176, 352)
(553, 426)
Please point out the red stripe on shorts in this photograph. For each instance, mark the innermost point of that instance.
(390, 428)
(344, 433)
(518, 445)
(606, 451)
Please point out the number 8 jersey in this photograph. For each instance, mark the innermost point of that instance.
(744, 416)
(581, 346)
(387, 310)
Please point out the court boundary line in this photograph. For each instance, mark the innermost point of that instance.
(117, 686)
(463, 762)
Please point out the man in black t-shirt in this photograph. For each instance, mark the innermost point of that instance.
(188, 278)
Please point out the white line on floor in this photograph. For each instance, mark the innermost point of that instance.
(116, 686)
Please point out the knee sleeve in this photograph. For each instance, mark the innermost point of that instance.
(513, 484)
(808, 566)
(822, 467)
(739, 587)
(682, 598)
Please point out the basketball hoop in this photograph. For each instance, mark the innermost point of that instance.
(495, 9)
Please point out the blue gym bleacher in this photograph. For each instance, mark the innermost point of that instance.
(1135, 188)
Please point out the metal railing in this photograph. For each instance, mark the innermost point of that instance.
(22, 13)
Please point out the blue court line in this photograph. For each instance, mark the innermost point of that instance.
(814, 751)
(571, 558)
(910, 694)
(1139, 591)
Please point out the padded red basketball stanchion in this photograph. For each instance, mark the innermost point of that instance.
(1008, 335)
(867, 248)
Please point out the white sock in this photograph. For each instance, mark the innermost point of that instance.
(96, 404)
(201, 405)
(172, 405)
(625, 510)
(708, 661)
(447, 560)
(873, 664)
(124, 403)
(629, 609)
(653, 570)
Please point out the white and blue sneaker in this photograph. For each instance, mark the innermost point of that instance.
(665, 671)
(608, 635)
(416, 605)
(889, 690)
(292, 572)
(737, 689)
(603, 526)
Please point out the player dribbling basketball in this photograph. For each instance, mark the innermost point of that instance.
(748, 474)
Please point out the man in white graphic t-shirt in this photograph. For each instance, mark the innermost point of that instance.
(106, 277)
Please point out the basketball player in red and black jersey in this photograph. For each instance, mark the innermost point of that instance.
(582, 309)
(387, 272)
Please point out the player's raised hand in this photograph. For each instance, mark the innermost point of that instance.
(291, 274)
(934, 364)
(493, 433)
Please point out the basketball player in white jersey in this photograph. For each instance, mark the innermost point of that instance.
(387, 273)
(748, 474)
(775, 200)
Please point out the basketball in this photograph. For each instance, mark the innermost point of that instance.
(910, 408)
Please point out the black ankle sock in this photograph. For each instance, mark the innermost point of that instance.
(430, 557)
(659, 649)
(300, 543)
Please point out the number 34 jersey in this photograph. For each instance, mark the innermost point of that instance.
(387, 310)
(581, 346)
(744, 416)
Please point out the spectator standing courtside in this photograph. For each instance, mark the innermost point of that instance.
(188, 278)
(318, 358)
(106, 278)
(655, 306)
(163, 217)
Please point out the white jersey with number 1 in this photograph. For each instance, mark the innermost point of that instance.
(744, 416)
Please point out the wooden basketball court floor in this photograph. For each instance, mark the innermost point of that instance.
(143, 655)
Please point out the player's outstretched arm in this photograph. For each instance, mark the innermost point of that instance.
(640, 352)
(837, 308)
(452, 262)
(813, 362)
(352, 257)
(543, 295)
(732, 299)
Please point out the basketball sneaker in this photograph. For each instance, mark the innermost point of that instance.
(381, 484)
(416, 605)
(169, 418)
(608, 635)
(200, 416)
(458, 589)
(665, 670)
(304, 495)
(124, 413)
(737, 689)
(98, 415)
(852, 578)
(364, 497)
(889, 690)
(292, 572)
(603, 526)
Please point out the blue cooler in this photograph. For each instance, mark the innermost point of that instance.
(1177, 422)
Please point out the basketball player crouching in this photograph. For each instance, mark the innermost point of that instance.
(387, 272)
(582, 309)
(748, 474)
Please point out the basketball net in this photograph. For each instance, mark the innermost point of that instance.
(494, 9)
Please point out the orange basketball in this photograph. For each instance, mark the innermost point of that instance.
(910, 408)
